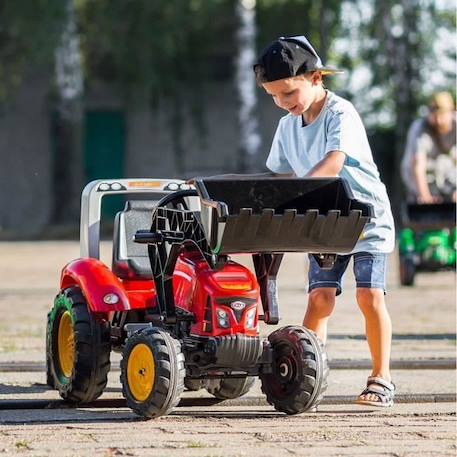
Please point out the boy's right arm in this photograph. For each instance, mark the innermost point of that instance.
(329, 166)
(419, 166)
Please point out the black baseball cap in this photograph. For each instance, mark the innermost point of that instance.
(287, 57)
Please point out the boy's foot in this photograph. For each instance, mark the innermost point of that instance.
(379, 392)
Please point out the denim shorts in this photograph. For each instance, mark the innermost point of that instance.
(369, 272)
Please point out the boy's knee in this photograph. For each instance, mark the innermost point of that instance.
(370, 295)
(370, 300)
(322, 299)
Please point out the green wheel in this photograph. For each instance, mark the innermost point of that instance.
(152, 372)
(77, 349)
(299, 370)
(407, 270)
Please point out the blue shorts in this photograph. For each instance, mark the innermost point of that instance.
(369, 272)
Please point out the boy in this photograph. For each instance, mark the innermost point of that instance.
(429, 162)
(324, 136)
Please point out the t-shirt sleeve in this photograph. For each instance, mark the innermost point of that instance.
(346, 133)
(418, 141)
(277, 161)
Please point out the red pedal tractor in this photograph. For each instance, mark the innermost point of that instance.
(178, 308)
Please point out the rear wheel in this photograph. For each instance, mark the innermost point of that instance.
(299, 370)
(77, 349)
(49, 377)
(229, 387)
(407, 270)
(152, 372)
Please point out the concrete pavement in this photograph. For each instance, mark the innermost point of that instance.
(423, 355)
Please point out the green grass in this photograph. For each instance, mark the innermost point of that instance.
(196, 444)
(9, 346)
(23, 444)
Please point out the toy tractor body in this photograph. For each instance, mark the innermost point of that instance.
(178, 308)
(428, 239)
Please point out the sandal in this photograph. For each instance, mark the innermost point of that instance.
(384, 390)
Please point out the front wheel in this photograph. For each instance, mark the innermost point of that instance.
(299, 370)
(152, 372)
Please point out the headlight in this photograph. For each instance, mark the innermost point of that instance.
(223, 320)
(111, 299)
(250, 317)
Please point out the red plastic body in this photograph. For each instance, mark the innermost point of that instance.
(197, 288)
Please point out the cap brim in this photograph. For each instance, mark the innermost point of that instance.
(329, 70)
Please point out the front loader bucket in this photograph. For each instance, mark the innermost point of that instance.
(247, 215)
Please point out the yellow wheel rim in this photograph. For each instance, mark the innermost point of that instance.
(66, 344)
(141, 372)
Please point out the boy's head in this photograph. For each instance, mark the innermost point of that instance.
(441, 112)
(291, 71)
(288, 57)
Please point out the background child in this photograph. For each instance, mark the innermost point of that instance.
(429, 163)
(323, 136)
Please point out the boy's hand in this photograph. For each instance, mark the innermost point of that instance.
(428, 199)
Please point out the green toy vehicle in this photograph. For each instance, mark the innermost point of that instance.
(428, 240)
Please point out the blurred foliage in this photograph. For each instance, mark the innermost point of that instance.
(319, 21)
(153, 47)
(28, 37)
(398, 44)
(160, 49)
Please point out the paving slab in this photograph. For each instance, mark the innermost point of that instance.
(404, 430)
(424, 330)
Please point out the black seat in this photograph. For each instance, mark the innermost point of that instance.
(131, 260)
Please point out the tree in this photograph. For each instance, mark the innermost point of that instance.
(390, 48)
(159, 50)
(28, 38)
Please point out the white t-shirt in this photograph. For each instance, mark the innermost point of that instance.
(297, 149)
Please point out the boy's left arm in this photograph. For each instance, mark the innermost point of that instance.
(330, 166)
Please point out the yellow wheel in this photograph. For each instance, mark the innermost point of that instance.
(152, 372)
(66, 344)
(141, 372)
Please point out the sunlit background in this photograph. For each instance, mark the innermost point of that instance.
(164, 88)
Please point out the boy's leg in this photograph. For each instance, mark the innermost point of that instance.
(321, 302)
(370, 271)
(378, 329)
(324, 285)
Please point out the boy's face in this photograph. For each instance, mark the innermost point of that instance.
(441, 120)
(294, 95)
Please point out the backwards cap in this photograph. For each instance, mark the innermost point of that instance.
(290, 56)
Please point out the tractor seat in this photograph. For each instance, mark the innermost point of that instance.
(130, 259)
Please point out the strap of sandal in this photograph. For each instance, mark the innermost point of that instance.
(386, 385)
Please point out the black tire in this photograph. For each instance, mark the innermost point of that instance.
(161, 356)
(230, 387)
(92, 348)
(299, 370)
(194, 384)
(407, 270)
(49, 377)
